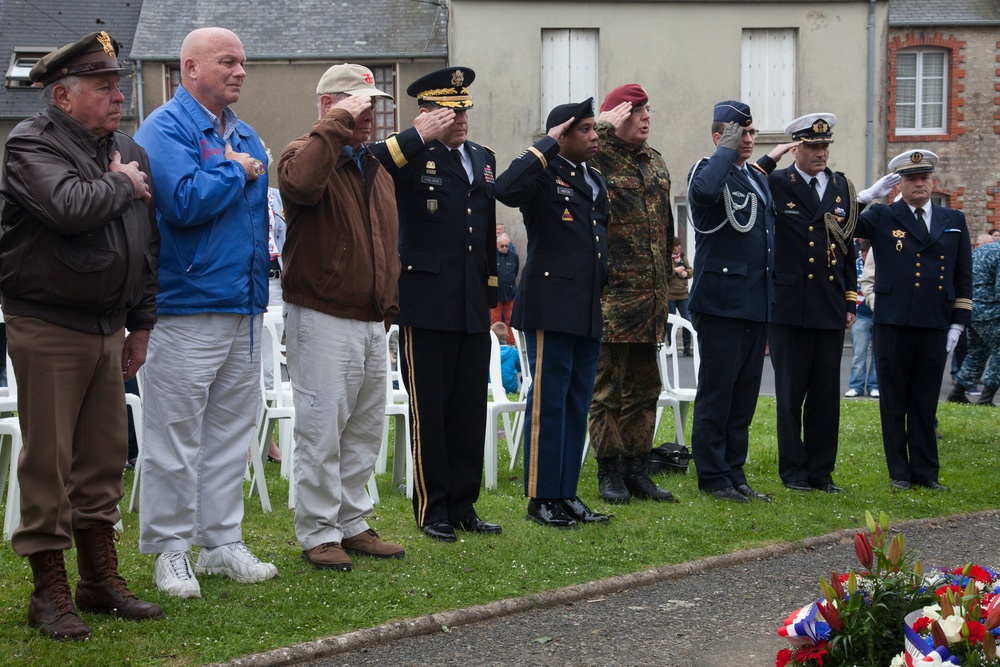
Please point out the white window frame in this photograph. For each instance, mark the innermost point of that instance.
(918, 98)
(569, 67)
(768, 74)
(385, 109)
(22, 59)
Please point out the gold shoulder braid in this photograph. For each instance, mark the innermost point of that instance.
(841, 234)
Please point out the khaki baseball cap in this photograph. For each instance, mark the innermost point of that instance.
(350, 79)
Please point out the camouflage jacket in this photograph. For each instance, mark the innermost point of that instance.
(640, 239)
(985, 282)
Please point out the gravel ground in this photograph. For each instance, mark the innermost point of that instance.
(715, 612)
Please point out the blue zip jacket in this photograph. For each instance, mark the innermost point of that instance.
(212, 220)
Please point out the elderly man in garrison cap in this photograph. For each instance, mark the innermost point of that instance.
(923, 301)
(339, 285)
(733, 219)
(564, 202)
(77, 267)
(447, 285)
(640, 242)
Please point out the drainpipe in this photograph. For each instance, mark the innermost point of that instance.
(138, 85)
(870, 123)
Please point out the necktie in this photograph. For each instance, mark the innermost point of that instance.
(457, 154)
(746, 172)
(814, 184)
(920, 217)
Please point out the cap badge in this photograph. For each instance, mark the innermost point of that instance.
(105, 40)
(917, 157)
(457, 78)
(368, 79)
(821, 126)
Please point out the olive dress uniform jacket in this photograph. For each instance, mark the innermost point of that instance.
(815, 285)
(444, 261)
(567, 261)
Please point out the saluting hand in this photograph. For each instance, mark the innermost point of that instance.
(617, 115)
(559, 130)
(431, 124)
(781, 149)
(354, 105)
(140, 189)
(731, 136)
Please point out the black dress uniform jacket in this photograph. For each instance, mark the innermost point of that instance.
(443, 262)
(567, 261)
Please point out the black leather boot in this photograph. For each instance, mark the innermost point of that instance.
(51, 607)
(610, 482)
(957, 394)
(986, 398)
(101, 588)
(638, 482)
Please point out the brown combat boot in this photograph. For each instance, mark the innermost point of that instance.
(51, 607)
(101, 588)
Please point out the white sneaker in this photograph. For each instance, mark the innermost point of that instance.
(172, 574)
(236, 562)
(850, 393)
(874, 393)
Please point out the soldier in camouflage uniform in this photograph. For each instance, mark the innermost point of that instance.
(640, 238)
(984, 332)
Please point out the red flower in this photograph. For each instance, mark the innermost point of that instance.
(976, 632)
(978, 573)
(807, 653)
(949, 588)
(922, 624)
(784, 657)
(863, 550)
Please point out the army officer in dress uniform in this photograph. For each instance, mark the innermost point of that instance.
(565, 207)
(730, 305)
(447, 285)
(815, 295)
(923, 301)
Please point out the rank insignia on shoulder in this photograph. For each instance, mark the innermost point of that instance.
(431, 167)
(790, 204)
(566, 217)
(488, 174)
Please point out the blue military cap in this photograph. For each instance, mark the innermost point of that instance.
(731, 111)
(446, 87)
(564, 112)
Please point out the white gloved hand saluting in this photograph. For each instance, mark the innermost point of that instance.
(954, 333)
(882, 187)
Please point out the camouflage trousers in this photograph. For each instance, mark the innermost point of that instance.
(623, 409)
(984, 344)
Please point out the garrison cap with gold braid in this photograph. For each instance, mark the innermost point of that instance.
(916, 161)
(96, 53)
(813, 128)
(446, 87)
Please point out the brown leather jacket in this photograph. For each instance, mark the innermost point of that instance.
(77, 250)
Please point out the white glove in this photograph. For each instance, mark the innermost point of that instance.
(882, 187)
(954, 333)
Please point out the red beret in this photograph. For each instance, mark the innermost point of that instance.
(630, 92)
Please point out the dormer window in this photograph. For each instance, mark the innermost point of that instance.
(21, 61)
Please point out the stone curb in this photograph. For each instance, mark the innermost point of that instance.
(425, 625)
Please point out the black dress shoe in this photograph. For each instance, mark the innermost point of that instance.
(933, 485)
(745, 491)
(440, 530)
(581, 513)
(729, 493)
(477, 525)
(549, 513)
(830, 488)
(798, 486)
(900, 485)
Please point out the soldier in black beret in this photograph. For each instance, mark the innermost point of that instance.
(79, 262)
(447, 285)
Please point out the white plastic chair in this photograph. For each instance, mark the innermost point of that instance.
(673, 395)
(276, 404)
(10, 429)
(397, 407)
(522, 350)
(499, 406)
(133, 403)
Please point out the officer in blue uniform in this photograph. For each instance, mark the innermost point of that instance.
(923, 301)
(731, 299)
(448, 283)
(564, 203)
(815, 296)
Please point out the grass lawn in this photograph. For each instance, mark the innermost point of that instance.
(302, 603)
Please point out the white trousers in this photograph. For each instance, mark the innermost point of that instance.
(337, 367)
(202, 388)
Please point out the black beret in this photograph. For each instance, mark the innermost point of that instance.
(96, 53)
(563, 112)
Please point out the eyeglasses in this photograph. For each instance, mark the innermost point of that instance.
(752, 133)
(636, 111)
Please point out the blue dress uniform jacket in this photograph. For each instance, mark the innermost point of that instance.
(730, 303)
(558, 305)
(445, 259)
(815, 286)
(922, 279)
(923, 285)
(447, 285)
(567, 260)
(732, 270)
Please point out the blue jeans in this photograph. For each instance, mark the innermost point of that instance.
(861, 336)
